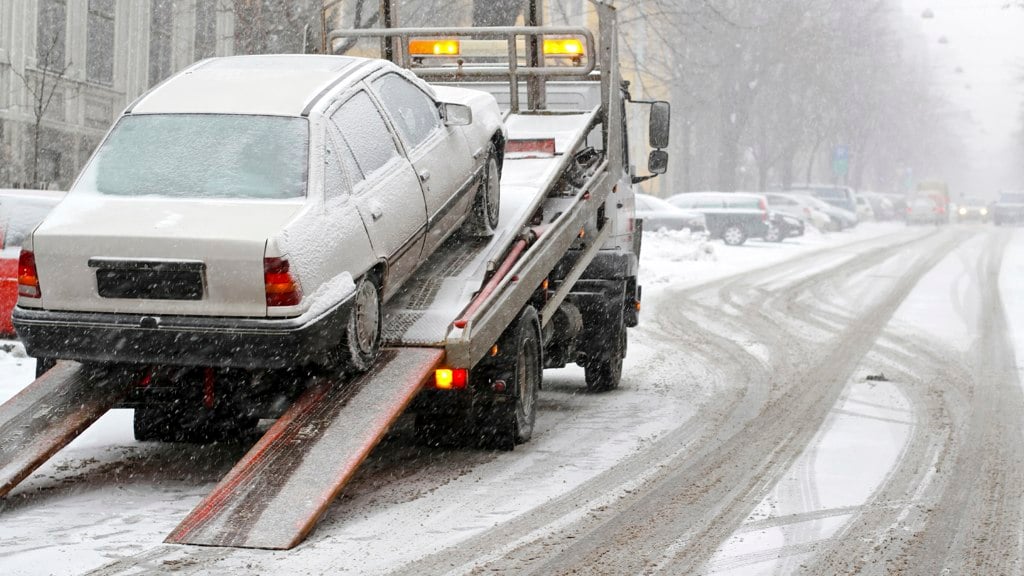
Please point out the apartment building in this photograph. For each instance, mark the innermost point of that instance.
(69, 67)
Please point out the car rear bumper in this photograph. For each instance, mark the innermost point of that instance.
(254, 343)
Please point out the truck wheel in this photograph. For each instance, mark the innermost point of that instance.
(510, 420)
(483, 219)
(604, 373)
(361, 341)
(43, 365)
(734, 235)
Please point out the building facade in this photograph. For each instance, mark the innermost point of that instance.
(69, 67)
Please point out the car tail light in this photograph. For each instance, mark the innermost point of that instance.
(764, 209)
(281, 285)
(28, 278)
(807, 210)
(450, 379)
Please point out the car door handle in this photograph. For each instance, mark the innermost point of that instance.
(376, 211)
(425, 175)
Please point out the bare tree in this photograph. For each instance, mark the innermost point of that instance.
(42, 86)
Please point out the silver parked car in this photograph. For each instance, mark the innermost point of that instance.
(256, 212)
(658, 214)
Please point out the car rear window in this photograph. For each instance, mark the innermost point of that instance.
(202, 156)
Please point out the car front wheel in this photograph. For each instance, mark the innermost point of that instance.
(361, 342)
(483, 219)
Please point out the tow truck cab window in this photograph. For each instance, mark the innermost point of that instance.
(364, 132)
(415, 114)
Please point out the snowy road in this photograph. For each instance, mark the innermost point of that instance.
(840, 405)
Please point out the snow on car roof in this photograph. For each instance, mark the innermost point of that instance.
(278, 85)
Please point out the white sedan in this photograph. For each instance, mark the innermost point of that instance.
(256, 212)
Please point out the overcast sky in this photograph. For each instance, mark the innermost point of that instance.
(986, 41)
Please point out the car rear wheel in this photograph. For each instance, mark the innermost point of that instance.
(483, 220)
(734, 235)
(361, 342)
(774, 234)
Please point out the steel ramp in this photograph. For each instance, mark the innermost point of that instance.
(274, 496)
(48, 414)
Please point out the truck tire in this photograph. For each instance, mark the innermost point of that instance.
(605, 372)
(361, 341)
(510, 419)
(734, 235)
(43, 365)
(484, 216)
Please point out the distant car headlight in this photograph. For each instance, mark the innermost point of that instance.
(963, 211)
(984, 211)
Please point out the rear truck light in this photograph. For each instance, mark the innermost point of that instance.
(450, 378)
(28, 278)
(282, 287)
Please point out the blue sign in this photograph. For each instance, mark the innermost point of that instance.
(840, 160)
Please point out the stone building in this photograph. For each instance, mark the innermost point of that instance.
(69, 67)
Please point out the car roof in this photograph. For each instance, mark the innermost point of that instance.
(275, 85)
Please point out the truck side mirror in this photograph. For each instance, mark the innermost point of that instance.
(455, 114)
(661, 115)
(657, 163)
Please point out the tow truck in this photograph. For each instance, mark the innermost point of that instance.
(466, 346)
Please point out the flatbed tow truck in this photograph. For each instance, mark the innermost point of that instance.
(467, 343)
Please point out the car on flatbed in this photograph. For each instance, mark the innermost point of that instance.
(1009, 209)
(732, 216)
(196, 233)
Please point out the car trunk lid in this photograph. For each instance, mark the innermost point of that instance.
(158, 256)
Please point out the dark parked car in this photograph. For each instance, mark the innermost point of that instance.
(1009, 209)
(657, 214)
(731, 216)
(782, 226)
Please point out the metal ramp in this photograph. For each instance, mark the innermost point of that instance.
(48, 414)
(274, 496)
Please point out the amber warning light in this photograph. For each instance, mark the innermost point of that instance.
(435, 47)
(451, 379)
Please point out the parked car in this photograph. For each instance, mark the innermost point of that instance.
(881, 206)
(196, 233)
(731, 216)
(842, 197)
(657, 214)
(864, 210)
(925, 210)
(796, 205)
(1009, 209)
(20, 212)
(972, 208)
(841, 219)
(782, 226)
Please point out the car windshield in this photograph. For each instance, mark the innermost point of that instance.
(201, 156)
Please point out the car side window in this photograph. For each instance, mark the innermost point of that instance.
(415, 114)
(364, 132)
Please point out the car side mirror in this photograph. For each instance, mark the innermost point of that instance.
(657, 163)
(661, 115)
(456, 114)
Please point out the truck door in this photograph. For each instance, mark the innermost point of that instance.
(439, 153)
(384, 187)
